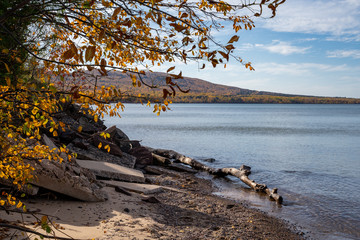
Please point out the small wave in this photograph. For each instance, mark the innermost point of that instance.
(297, 172)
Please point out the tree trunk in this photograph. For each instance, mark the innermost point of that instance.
(242, 173)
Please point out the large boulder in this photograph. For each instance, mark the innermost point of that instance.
(114, 149)
(119, 138)
(143, 156)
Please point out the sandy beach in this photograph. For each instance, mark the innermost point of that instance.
(185, 209)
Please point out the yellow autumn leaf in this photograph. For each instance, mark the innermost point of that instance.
(7, 68)
(19, 205)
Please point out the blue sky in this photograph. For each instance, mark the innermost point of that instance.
(312, 47)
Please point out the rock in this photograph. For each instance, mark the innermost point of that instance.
(68, 136)
(66, 119)
(143, 156)
(114, 149)
(68, 133)
(73, 117)
(119, 138)
(55, 177)
(28, 189)
(121, 190)
(52, 146)
(135, 143)
(125, 146)
(229, 206)
(87, 127)
(150, 200)
(95, 154)
(160, 170)
(112, 171)
(181, 168)
(66, 178)
(116, 133)
(80, 143)
(135, 187)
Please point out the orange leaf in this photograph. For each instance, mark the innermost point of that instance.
(234, 38)
(214, 62)
(68, 54)
(226, 56)
(116, 12)
(73, 48)
(178, 27)
(90, 53)
(229, 47)
(170, 69)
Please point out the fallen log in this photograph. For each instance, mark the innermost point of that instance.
(160, 160)
(242, 173)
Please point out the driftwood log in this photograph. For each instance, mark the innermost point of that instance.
(242, 173)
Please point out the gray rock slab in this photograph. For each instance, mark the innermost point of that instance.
(70, 187)
(58, 178)
(135, 187)
(52, 146)
(113, 171)
(181, 168)
(160, 171)
(94, 154)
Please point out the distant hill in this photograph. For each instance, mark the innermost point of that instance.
(202, 91)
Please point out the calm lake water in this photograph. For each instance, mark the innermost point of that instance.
(311, 153)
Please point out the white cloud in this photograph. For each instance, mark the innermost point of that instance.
(344, 54)
(283, 48)
(308, 39)
(334, 17)
(298, 69)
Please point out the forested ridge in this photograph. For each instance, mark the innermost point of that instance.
(201, 91)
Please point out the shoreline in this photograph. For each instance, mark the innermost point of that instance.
(185, 209)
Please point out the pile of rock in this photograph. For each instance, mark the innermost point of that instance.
(78, 177)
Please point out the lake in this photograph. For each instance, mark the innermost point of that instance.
(311, 153)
